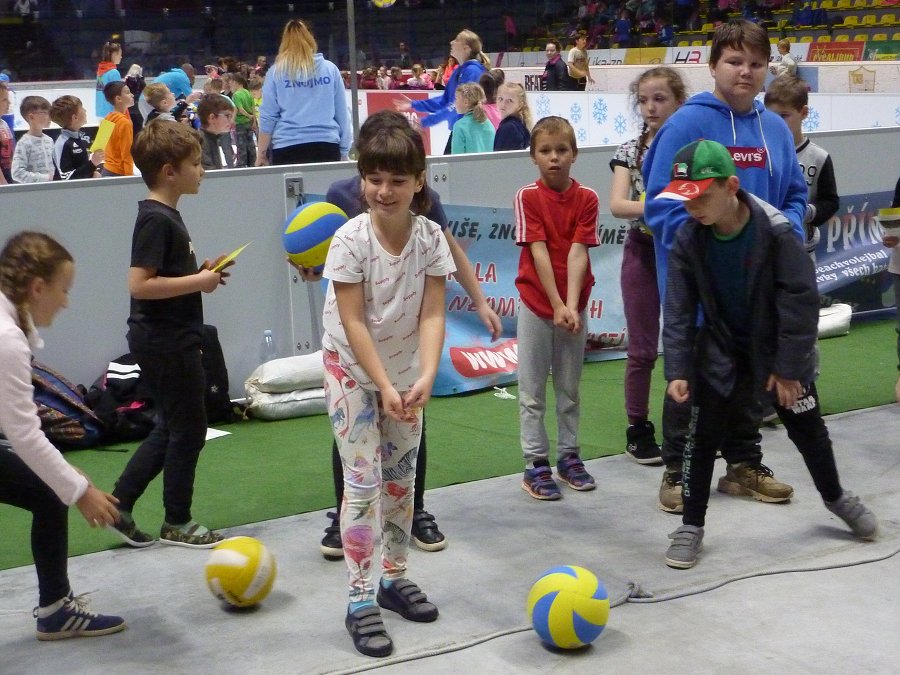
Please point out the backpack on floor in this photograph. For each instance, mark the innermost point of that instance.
(66, 419)
(219, 407)
(120, 399)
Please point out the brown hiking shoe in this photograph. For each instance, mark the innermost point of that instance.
(670, 491)
(754, 480)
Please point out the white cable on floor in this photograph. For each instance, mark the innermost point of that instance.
(633, 594)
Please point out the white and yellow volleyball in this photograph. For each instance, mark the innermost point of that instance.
(240, 571)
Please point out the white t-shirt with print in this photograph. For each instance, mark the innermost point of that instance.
(394, 287)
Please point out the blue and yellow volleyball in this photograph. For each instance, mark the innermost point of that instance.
(383, 3)
(568, 607)
(308, 232)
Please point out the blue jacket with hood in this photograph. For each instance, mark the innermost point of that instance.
(443, 107)
(763, 150)
(312, 108)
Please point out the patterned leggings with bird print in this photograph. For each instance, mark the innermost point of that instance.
(379, 458)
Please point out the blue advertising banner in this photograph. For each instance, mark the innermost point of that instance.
(851, 261)
(470, 360)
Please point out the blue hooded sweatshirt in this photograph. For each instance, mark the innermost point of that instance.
(302, 108)
(763, 150)
(443, 107)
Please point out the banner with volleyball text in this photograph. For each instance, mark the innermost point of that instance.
(470, 360)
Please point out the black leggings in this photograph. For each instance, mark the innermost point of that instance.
(306, 153)
(418, 491)
(20, 487)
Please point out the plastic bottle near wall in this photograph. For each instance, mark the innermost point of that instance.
(268, 350)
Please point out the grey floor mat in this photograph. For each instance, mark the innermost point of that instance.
(500, 541)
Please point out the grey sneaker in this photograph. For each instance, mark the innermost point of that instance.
(687, 542)
(848, 508)
(670, 491)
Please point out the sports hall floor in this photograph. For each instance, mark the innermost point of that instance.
(778, 588)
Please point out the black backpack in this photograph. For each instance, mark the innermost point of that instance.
(66, 419)
(219, 408)
(121, 400)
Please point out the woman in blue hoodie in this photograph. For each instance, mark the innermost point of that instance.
(466, 49)
(303, 116)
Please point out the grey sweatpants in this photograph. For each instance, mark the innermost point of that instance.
(543, 346)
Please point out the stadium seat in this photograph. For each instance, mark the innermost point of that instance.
(860, 4)
(860, 37)
(851, 20)
(823, 38)
(844, 4)
(827, 4)
(683, 43)
(707, 28)
(888, 19)
(896, 37)
(880, 37)
(842, 38)
(869, 20)
(806, 38)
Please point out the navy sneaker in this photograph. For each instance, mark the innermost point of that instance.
(425, 532)
(408, 600)
(571, 471)
(539, 483)
(75, 619)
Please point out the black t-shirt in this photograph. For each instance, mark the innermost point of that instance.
(161, 242)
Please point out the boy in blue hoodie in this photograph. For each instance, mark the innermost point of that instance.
(762, 147)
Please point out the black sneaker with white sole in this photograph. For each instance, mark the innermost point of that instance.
(332, 547)
(641, 443)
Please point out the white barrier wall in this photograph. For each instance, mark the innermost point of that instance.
(94, 219)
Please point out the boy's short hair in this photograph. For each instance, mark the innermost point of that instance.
(32, 104)
(113, 89)
(63, 109)
(163, 142)
(254, 82)
(237, 78)
(695, 167)
(739, 34)
(155, 93)
(784, 44)
(553, 125)
(213, 104)
(788, 90)
(215, 86)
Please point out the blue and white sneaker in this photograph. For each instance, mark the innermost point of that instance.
(75, 619)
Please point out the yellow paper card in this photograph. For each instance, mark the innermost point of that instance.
(231, 256)
(103, 134)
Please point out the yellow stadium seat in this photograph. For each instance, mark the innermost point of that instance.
(683, 43)
(879, 37)
(860, 4)
(851, 20)
(707, 27)
(806, 38)
(860, 37)
(896, 37)
(844, 4)
(842, 38)
(868, 20)
(823, 38)
(827, 4)
(696, 43)
(888, 19)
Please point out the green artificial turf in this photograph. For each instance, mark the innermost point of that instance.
(266, 470)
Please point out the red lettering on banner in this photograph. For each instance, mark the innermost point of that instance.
(481, 361)
(748, 158)
(827, 52)
(595, 309)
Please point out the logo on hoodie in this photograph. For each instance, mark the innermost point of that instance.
(748, 157)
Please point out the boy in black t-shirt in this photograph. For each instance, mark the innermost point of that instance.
(164, 334)
(72, 149)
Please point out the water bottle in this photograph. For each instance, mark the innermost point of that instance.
(268, 351)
